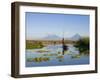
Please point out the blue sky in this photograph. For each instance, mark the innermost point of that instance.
(39, 25)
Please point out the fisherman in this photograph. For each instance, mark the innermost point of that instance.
(65, 47)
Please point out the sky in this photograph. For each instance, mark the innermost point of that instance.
(39, 25)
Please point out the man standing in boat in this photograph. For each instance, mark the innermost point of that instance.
(64, 46)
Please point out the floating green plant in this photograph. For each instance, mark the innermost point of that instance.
(42, 51)
(76, 56)
(38, 59)
(60, 56)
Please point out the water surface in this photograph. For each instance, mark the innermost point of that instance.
(51, 55)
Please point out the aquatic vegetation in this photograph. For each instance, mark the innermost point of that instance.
(59, 52)
(75, 56)
(60, 56)
(45, 54)
(49, 54)
(29, 59)
(83, 45)
(35, 45)
(38, 59)
(53, 54)
(46, 59)
(42, 51)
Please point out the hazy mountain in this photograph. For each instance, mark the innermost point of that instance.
(55, 37)
(76, 37)
(52, 37)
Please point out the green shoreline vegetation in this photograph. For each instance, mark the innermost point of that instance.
(36, 45)
(83, 45)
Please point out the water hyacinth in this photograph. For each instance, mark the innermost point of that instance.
(38, 59)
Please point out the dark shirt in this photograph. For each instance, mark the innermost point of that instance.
(64, 47)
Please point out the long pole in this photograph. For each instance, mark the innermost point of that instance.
(63, 43)
(63, 46)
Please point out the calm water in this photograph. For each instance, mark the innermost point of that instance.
(52, 56)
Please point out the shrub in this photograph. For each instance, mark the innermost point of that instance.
(83, 45)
